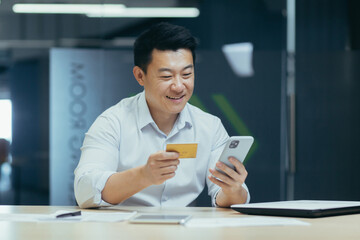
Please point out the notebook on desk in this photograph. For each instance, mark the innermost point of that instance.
(300, 208)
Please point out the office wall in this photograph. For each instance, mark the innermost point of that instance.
(29, 148)
(328, 117)
(247, 106)
(328, 103)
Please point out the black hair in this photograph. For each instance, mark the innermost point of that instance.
(162, 36)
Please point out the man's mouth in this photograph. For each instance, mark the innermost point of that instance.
(175, 98)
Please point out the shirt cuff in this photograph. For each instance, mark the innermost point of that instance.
(213, 200)
(100, 184)
(248, 193)
(243, 185)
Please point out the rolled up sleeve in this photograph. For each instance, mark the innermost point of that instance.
(98, 161)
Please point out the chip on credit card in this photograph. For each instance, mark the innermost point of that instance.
(185, 150)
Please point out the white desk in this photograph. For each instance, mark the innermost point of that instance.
(337, 228)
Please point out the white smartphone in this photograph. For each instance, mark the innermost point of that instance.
(237, 147)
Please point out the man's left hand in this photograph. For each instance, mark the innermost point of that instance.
(231, 191)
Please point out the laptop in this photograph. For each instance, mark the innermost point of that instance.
(300, 208)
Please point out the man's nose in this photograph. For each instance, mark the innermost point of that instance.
(178, 84)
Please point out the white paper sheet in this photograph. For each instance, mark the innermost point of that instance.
(243, 222)
(85, 217)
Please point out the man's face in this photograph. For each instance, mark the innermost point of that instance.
(169, 81)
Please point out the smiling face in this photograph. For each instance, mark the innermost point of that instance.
(168, 82)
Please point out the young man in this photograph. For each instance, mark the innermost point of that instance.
(123, 159)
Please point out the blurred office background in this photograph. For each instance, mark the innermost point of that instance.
(300, 100)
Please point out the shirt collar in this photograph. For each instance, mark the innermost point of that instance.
(144, 116)
(184, 118)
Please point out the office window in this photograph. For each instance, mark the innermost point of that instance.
(5, 119)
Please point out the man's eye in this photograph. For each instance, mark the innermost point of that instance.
(166, 77)
(187, 74)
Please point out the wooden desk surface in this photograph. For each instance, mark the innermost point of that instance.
(339, 228)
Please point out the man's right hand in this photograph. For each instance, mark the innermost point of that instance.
(160, 167)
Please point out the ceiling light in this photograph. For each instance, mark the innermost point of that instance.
(170, 12)
(107, 10)
(69, 8)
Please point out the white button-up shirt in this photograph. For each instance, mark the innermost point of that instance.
(125, 135)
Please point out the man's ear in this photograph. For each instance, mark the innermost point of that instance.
(139, 75)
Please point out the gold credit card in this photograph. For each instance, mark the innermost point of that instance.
(186, 150)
